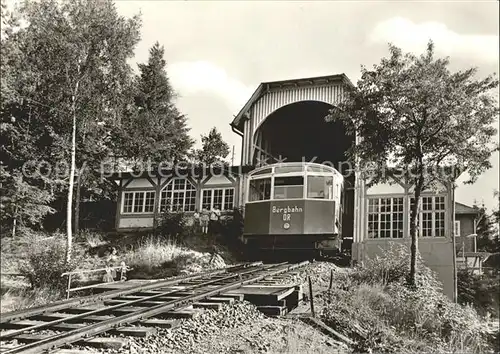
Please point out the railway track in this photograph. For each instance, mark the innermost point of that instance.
(45, 328)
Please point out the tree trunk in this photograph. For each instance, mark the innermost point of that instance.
(69, 209)
(14, 224)
(77, 201)
(413, 229)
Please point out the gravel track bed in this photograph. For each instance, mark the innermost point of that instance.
(241, 328)
(238, 328)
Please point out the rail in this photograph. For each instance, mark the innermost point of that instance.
(214, 283)
(60, 305)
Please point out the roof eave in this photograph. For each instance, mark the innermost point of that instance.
(239, 118)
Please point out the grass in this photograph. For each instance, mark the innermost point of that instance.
(41, 257)
(18, 298)
(92, 239)
(151, 253)
(156, 258)
(377, 309)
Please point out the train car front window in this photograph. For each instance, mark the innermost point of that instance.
(320, 187)
(289, 187)
(260, 189)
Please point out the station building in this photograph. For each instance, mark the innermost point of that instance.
(284, 121)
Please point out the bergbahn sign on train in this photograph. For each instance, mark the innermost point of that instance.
(287, 217)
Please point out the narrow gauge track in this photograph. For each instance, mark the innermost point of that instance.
(147, 301)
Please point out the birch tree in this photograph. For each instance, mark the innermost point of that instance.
(75, 55)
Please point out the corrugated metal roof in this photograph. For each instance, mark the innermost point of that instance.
(267, 86)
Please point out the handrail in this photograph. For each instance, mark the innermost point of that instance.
(123, 269)
(90, 271)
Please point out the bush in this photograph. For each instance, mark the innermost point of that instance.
(392, 266)
(45, 261)
(232, 226)
(479, 290)
(172, 225)
(91, 239)
(382, 313)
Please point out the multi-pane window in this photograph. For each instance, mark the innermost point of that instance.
(206, 199)
(178, 195)
(431, 216)
(260, 189)
(222, 198)
(385, 217)
(138, 202)
(128, 202)
(217, 197)
(149, 203)
(229, 199)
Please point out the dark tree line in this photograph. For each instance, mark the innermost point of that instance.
(71, 102)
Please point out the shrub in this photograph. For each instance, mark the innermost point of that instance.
(392, 266)
(233, 226)
(45, 261)
(479, 290)
(382, 313)
(172, 225)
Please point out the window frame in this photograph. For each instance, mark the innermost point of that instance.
(432, 211)
(288, 175)
(133, 205)
(336, 185)
(390, 214)
(184, 192)
(247, 197)
(223, 204)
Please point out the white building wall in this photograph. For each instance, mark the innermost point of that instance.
(139, 183)
(132, 223)
(385, 188)
(214, 180)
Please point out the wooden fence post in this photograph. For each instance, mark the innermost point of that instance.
(311, 296)
(331, 280)
(69, 286)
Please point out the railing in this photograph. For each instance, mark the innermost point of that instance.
(122, 268)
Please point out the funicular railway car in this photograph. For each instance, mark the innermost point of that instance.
(294, 206)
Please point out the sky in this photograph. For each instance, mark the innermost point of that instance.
(218, 52)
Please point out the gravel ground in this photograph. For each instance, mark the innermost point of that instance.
(239, 328)
(319, 273)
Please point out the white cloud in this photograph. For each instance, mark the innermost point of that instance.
(414, 37)
(201, 76)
